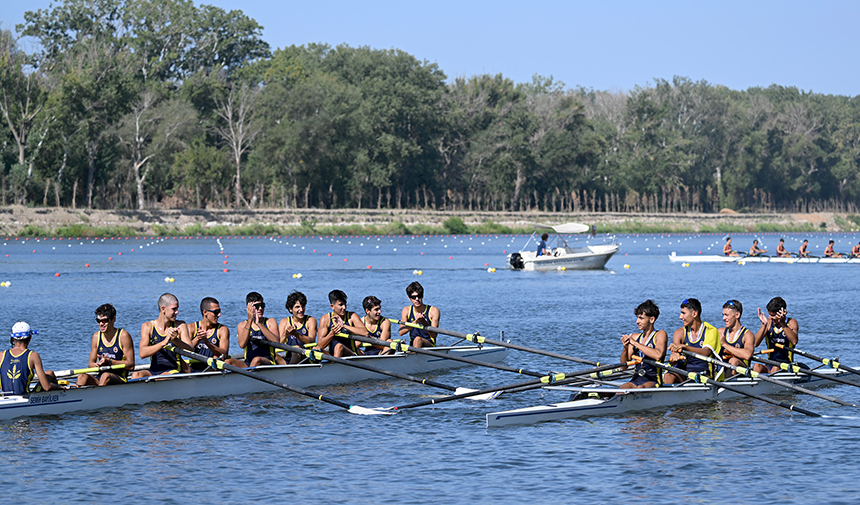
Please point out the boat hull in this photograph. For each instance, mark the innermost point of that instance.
(197, 385)
(711, 258)
(636, 400)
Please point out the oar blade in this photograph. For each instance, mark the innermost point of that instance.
(364, 411)
(485, 396)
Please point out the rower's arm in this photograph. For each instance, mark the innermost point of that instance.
(403, 315)
(435, 315)
(355, 326)
(145, 350)
(325, 335)
(759, 335)
(792, 331)
(223, 347)
(270, 330)
(127, 345)
(46, 384)
(386, 330)
(311, 325)
(94, 346)
(243, 333)
(184, 340)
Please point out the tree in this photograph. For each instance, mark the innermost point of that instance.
(238, 126)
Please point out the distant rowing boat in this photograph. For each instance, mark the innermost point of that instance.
(195, 385)
(624, 401)
(713, 258)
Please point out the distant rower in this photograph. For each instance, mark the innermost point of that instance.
(727, 249)
(755, 250)
(802, 252)
(780, 249)
(829, 253)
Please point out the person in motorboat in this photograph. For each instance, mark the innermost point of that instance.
(20, 364)
(337, 321)
(780, 249)
(109, 346)
(695, 336)
(209, 337)
(727, 249)
(755, 250)
(802, 252)
(829, 252)
(737, 341)
(648, 343)
(777, 328)
(377, 326)
(298, 328)
(542, 249)
(156, 335)
(258, 327)
(418, 312)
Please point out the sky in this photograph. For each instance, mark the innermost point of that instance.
(603, 45)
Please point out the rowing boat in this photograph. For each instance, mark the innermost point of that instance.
(713, 258)
(623, 401)
(195, 385)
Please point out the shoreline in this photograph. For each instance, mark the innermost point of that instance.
(16, 220)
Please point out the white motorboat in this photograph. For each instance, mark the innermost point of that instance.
(563, 256)
(194, 385)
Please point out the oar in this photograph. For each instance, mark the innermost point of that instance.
(478, 339)
(788, 367)
(755, 375)
(107, 368)
(555, 379)
(832, 363)
(696, 377)
(319, 356)
(220, 365)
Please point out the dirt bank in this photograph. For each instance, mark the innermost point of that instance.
(14, 220)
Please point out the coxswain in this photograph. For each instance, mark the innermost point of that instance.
(738, 343)
(780, 249)
(19, 364)
(377, 326)
(419, 313)
(829, 252)
(156, 335)
(209, 337)
(298, 328)
(727, 249)
(648, 343)
(109, 346)
(695, 336)
(258, 327)
(776, 328)
(337, 321)
(802, 252)
(755, 250)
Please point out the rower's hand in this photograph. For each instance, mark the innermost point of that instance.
(779, 319)
(675, 357)
(101, 360)
(625, 339)
(676, 348)
(422, 320)
(173, 333)
(288, 330)
(762, 317)
(252, 312)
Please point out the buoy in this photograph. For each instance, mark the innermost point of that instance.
(172, 279)
(226, 256)
(226, 270)
(87, 265)
(368, 267)
(450, 257)
(345, 259)
(295, 276)
(490, 270)
(486, 264)
(225, 262)
(329, 254)
(415, 272)
(421, 272)
(2, 284)
(34, 250)
(8, 284)
(742, 262)
(298, 276)
(167, 279)
(120, 254)
(626, 265)
(57, 274)
(110, 257)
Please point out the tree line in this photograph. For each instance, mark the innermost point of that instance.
(163, 103)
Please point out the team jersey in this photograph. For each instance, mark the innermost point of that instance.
(113, 351)
(736, 340)
(377, 333)
(346, 342)
(646, 372)
(253, 349)
(17, 372)
(777, 336)
(201, 347)
(707, 336)
(418, 332)
(302, 329)
(165, 360)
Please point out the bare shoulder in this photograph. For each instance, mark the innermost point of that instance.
(310, 321)
(434, 310)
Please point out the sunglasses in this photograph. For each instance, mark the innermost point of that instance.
(685, 302)
(415, 297)
(260, 305)
(730, 303)
(102, 321)
(216, 312)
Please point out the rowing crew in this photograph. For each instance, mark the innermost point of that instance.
(112, 349)
(803, 252)
(732, 343)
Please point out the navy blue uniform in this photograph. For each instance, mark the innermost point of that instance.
(17, 372)
(417, 332)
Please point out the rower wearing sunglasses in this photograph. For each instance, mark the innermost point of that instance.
(695, 336)
(776, 328)
(258, 327)
(109, 346)
(209, 337)
(420, 313)
(738, 343)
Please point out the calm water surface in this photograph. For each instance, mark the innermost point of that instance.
(282, 447)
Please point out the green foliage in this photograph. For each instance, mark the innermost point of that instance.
(455, 226)
(34, 231)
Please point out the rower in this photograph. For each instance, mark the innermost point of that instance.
(777, 328)
(738, 343)
(337, 321)
(19, 364)
(802, 252)
(755, 250)
(855, 251)
(695, 336)
(299, 328)
(258, 327)
(109, 346)
(727, 249)
(377, 326)
(418, 312)
(648, 343)
(156, 335)
(828, 251)
(780, 249)
(542, 250)
(209, 337)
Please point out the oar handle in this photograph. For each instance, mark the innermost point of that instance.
(832, 363)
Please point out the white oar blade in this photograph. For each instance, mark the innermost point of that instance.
(363, 411)
(485, 396)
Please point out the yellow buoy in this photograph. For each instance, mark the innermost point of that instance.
(626, 265)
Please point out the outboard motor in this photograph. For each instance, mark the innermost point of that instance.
(517, 261)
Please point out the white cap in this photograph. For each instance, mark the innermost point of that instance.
(21, 330)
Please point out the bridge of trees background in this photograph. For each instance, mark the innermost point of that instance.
(161, 103)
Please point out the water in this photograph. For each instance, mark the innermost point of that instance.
(279, 447)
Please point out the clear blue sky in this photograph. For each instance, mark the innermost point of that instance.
(605, 45)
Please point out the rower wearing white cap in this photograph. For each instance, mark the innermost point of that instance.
(19, 364)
